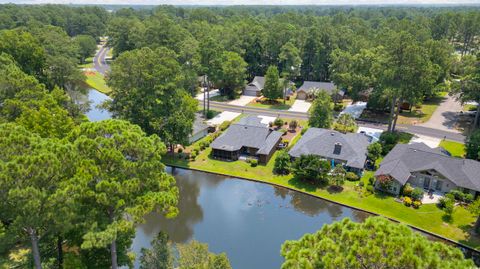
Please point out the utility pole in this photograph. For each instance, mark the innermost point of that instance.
(203, 88)
(208, 94)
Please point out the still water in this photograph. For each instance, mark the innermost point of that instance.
(247, 220)
(92, 99)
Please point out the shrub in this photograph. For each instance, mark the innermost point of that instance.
(208, 140)
(448, 208)
(351, 176)
(374, 151)
(193, 155)
(282, 163)
(311, 167)
(278, 122)
(441, 202)
(407, 201)
(180, 150)
(283, 131)
(196, 149)
(210, 114)
(371, 180)
(224, 125)
(417, 194)
(360, 184)
(338, 107)
(407, 190)
(253, 163)
(202, 145)
(293, 125)
(270, 124)
(416, 204)
(370, 188)
(468, 198)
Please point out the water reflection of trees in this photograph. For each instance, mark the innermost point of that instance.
(308, 205)
(179, 229)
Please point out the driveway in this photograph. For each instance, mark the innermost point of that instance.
(446, 116)
(224, 116)
(243, 100)
(355, 110)
(428, 140)
(212, 94)
(300, 106)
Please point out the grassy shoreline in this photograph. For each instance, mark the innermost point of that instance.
(428, 218)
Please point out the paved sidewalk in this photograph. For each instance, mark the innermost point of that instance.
(446, 116)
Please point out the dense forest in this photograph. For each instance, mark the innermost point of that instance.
(65, 186)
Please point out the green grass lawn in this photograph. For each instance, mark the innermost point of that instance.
(428, 217)
(455, 148)
(277, 104)
(97, 81)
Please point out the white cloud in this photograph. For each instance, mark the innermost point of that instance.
(244, 2)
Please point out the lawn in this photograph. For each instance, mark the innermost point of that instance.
(97, 81)
(456, 149)
(417, 115)
(275, 104)
(428, 217)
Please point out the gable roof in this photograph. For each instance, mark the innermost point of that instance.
(248, 132)
(405, 159)
(321, 142)
(198, 125)
(310, 86)
(256, 84)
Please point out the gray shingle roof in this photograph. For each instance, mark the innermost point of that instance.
(257, 84)
(248, 132)
(198, 125)
(405, 159)
(310, 86)
(321, 142)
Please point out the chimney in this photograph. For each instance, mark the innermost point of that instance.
(338, 148)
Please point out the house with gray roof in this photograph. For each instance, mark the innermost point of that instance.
(248, 137)
(309, 88)
(255, 87)
(348, 149)
(200, 129)
(427, 168)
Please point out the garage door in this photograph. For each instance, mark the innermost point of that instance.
(301, 95)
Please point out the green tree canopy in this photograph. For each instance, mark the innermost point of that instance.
(146, 90)
(473, 146)
(230, 73)
(311, 167)
(321, 113)
(272, 89)
(33, 176)
(375, 243)
(122, 175)
(86, 46)
(282, 163)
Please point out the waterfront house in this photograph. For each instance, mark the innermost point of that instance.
(348, 149)
(309, 88)
(430, 169)
(249, 137)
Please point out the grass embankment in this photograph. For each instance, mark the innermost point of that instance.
(94, 78)
(456, 149)
(428, 217)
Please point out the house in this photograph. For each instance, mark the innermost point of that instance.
(200, 129)
(308, 89)
(255, 87)
(250, 137)
(348, 149)
(427, 168)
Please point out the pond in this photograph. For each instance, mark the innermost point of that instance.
(248, 221)
(92, 99)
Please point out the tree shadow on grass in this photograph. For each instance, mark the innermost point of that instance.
(472, 238)
(382, 195)
(305, 185)
(334, 189)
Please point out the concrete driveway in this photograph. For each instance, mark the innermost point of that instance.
(428, 140)
(243, 100)
(300, 106)
(446, 116)
(355, 110)
(212, 94)
(224, 116)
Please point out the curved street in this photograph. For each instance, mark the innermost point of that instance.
(99, 60)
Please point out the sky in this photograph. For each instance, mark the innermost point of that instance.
(247, 2)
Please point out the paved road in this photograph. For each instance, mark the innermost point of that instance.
(415, 129)
(99, 62)
(446, 116)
